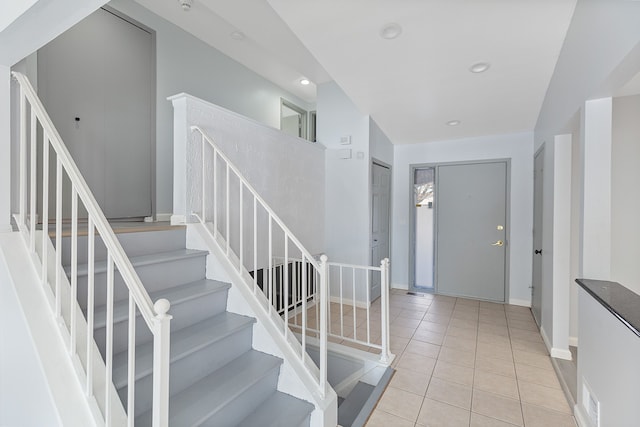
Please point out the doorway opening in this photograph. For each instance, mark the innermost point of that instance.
(293, 119)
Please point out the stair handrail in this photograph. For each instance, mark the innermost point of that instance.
(154, 315)
(308, 259)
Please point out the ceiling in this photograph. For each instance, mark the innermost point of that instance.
(411, 85)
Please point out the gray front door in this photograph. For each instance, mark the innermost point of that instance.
(471, 242)
(96, 81)
(536, 284)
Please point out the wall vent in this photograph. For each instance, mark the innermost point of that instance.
(591, 405)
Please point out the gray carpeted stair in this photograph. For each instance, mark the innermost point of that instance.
(216, 378)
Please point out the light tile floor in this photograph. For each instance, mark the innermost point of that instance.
(463, 362)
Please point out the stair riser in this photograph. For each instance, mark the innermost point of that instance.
(185, 314)
(155, 277)
(134, 244)
(234, 412)
(194, 367)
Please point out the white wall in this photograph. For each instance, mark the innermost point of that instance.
(40, 24)
(380, 145)
(346, 180)
(625, 192)
(286, 171)
(608, 362)
(601, 52)
(25, 399)
(518, 148)
(5, 149)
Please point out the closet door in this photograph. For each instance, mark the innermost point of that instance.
(96, 82)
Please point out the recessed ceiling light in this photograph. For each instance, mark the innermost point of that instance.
(453, 122)
(185, 4)
(391, 31)
(479, 67)
(238, 35)
(304, 82)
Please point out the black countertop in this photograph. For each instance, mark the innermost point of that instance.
(620, 301)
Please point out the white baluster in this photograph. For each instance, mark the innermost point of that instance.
(59, 271)
(131, 365)
(109, 339)
(324, 273)
(90, 302)
(45, 208)
(32, 196)
(384, 310)
(161, 359)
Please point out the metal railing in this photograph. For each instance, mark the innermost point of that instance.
(39, 143)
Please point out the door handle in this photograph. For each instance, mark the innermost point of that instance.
(498, 243)
(538, 251)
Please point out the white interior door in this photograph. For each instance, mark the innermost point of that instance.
(380, 197)
(538, 202)
(471, 244)
(96, 82)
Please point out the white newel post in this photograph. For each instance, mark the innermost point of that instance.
(181, 135)
(161, 360)
(324, 295)
(385, 356)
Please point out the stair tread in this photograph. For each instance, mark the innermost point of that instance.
(278, 410)
(141, 260)
(183, 342)
(349, 409)
(175, 295)
(203, 399)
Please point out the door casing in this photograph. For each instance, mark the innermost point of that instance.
(376, 262)
(538, 184)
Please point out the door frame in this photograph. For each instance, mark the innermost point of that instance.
(375, 161)
(412, 222)
(539, 151)
(153, 111)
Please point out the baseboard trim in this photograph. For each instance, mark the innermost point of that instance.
(359, 304)
(178, 219)
(400, 286)
(573, 341)
(561, 353)
(164, 217)
(520, 302)
(558, 353)
(580, 416)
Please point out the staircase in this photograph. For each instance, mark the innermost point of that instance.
(216, 378)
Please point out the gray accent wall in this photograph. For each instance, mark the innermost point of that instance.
(187, 64)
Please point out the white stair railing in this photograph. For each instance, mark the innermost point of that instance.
(352, 318)
(292, 285)
(252, 236)
(38, 135)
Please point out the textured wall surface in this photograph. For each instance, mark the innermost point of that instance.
(287, 172)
